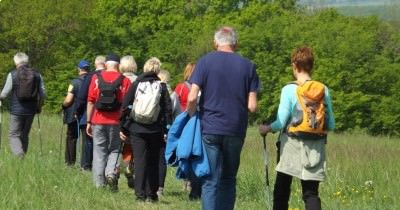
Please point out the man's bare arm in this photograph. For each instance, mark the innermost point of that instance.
(192, 99)
(252, 103)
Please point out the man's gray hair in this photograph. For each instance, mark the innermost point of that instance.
(225, 36)
(21, 58)
(128, 64)
(152, 65)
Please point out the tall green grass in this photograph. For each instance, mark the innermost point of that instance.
(362, 174)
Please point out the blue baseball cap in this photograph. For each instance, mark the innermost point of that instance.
(84, 65)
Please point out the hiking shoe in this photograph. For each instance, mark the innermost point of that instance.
(129, 171)
(130, 177)
(140, 199)
(187, 186)
(131, 182)
(160, 192)
(151, 200)
(112, 182)
(194, 197)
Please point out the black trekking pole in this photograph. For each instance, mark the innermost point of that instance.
(121, 147)
(61, 136)
(40, 135)
(266, 173)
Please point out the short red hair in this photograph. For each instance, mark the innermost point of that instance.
(303, 58)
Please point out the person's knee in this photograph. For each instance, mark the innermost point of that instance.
(310, 190)
(310, 195)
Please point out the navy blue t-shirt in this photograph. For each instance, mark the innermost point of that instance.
(225, 80)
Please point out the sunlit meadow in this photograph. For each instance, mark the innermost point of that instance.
(363, 173)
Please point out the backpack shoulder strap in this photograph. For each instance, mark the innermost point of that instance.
(116, 83)
(187, 84)
(136, 87)
(77, 82)
(100, 80)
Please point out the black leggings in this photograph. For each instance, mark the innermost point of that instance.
(282, 193)
(162, 166)
(70, 145)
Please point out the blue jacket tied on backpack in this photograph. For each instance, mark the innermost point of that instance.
(185, 148)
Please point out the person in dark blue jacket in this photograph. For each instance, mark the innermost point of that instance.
(73, 122)
(22, 111)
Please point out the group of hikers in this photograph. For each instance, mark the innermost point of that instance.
(115, 112)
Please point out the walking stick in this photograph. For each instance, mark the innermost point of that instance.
(78, 148)
(266, 173)
(121, 147)
(40, 135)
(61, 136)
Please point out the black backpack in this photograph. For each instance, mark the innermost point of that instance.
(108, 94)
(27, 82)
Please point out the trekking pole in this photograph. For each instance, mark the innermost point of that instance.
(61, 136)
(78, 148)
(40, 135)
(121, 147)
(266, 173)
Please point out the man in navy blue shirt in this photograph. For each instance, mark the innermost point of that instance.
(228, 85)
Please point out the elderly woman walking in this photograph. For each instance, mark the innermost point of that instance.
(146, 132)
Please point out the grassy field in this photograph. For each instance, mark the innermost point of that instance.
(363, 174)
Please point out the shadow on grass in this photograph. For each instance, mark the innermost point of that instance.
(177, 193)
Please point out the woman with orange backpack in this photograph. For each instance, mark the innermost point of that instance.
(304, 116)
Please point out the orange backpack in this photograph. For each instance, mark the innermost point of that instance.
(308, 119)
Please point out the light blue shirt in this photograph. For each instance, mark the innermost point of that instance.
(288, 103)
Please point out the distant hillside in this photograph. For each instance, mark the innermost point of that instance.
(344, 3)
(383, 12)
(384, 9)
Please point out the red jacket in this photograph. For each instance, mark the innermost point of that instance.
(182, 91)
(104, 117)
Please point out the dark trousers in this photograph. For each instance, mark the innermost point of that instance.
(162, 166)
(146, 147)
(87, 150)
(282, 193)
(195, 184)
(70, 147)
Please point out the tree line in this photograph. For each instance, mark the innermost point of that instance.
(357, 57)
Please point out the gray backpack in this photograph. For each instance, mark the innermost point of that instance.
(27, 82)
(146, 105)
